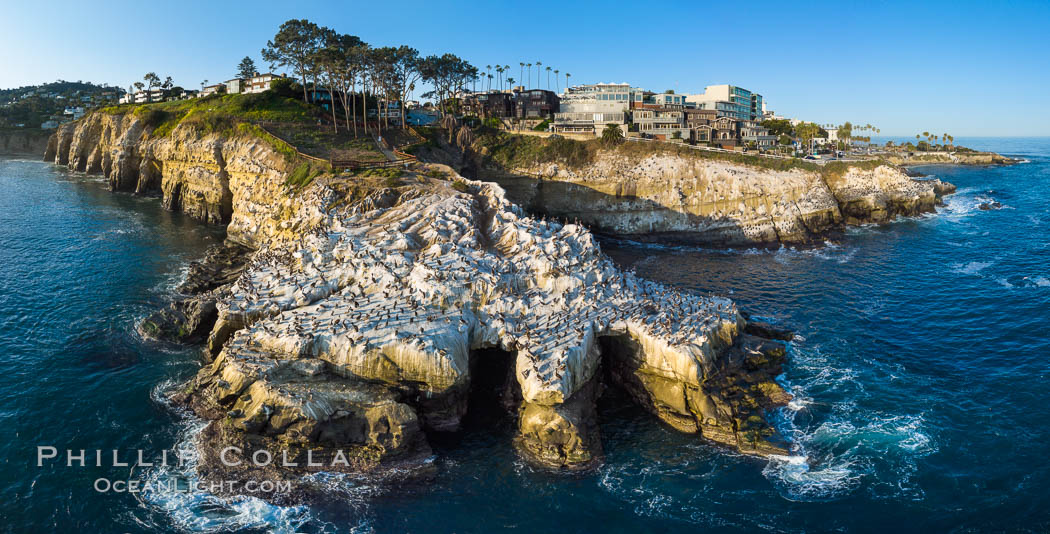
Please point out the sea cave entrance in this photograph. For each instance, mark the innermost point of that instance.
(492, 402)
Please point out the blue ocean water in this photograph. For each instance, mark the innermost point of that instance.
(919, 372)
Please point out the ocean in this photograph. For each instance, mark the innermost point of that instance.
(919, 371)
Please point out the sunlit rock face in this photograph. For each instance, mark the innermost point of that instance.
(401, 288)
(356, 310)
(712, 202)
(194, 173)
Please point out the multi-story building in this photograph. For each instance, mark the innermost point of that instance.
(754, 134)
(729, 101)
(649, 99)
(488, 104)
(531, 104)
(535, 104)
(153, 95)
(234, 86)
(724, 132)
(261, 82)
(591, 108)
(661, 123)
(699, 121)
(697, 117)
(211, 90)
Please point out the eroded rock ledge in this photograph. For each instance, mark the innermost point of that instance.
(693, 199)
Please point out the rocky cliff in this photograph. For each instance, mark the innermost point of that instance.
(192, 172)
(353, 323)
(23, 141)
(688, 197)
(950, 158)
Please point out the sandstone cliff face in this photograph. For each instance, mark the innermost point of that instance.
(192, 173)
(23, 142)
(952, 158)
(714, 202)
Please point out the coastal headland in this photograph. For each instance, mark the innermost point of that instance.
(349, 314)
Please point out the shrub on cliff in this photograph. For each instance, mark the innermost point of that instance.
(612, 135)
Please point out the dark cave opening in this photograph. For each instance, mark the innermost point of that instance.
(492, 401)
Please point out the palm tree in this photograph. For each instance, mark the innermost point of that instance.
(538, 65)
(567, 80)
(548, 77)
(499, 77)
(528, 81)
(490, 82)
(488, 70)
(510, 82)
(556, 89)
(521, 70)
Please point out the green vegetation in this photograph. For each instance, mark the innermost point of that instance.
(302, 175)
(381, 172)
(542, 127)
(779, 127)
(612, 135)
(521, 152)
(218, 113)
(460, 186)
(32, 105)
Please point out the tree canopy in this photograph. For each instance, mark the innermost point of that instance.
(246, 68)
(294, 46)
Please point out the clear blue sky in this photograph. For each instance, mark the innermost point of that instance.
(965, 68)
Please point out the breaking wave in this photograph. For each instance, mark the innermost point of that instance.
(840, 447)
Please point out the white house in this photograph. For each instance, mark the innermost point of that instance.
(234, 86)
(261, 82)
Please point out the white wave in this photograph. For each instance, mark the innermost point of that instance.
(829, 251)
(973, 267)
(837, 447)
(198, 511)
(806, 482)
(964, 203)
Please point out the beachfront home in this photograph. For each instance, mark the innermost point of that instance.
(212, 90)
(696, 117)
(535, 104)
(234, 86)
(261, 82)
(662, 123)
(591, 108)
(658, 100)
(74, 111)
(701, 134)
(724, 132)
(754, 134)
(488, 104)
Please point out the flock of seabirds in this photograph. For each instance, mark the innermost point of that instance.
(419, 284)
